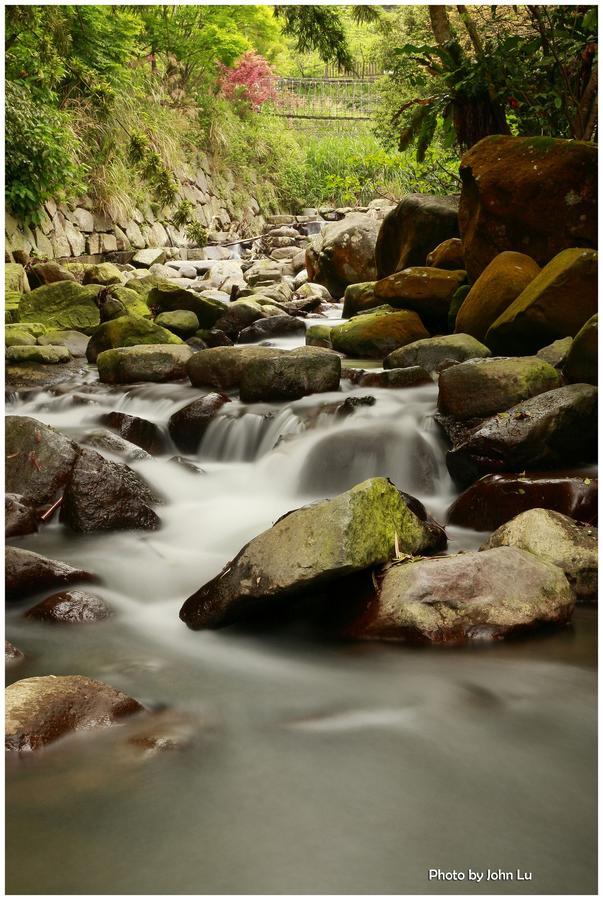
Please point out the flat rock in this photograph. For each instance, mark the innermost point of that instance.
(289, 376)
(429, 353)
(222, 367)
(151, 362)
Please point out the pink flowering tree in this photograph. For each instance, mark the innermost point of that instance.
(251, 80)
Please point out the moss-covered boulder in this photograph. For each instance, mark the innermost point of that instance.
(501, 282)
(48, 273)
(557, 303)
(63, 305)
(535, 195)
(462, 598)
(307, 549)
(27, 355)
(242, 313)
(74, 341)
(424, 289)
(146, 362)
(430, 353)
(36, 329)
(481, 387)
(289, 376)
(182, 322)
(319, 336)
(374, 335)
(17, 337)
(557, 539)
(103, 273)
(127, 331)
(168, 297)
(15, 278)
(583, 357)
(127, 302)
(358, 298)
(12, 299)
(222, 367)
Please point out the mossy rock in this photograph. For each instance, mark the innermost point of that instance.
(168, 297)
(19, 338)
(182, 322)
(376, 334)
(15, 278)
(28, 355)
(63, 305)
(134, 304)
(430, 353)
(359, 297)
(103, 273)
(582, 361)
(319, 336)
(149, 362)
(36, 329)
(127, 331)
(11, 306)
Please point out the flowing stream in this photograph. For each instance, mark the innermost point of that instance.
(309, 765)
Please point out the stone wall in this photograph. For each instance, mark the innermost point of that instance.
(79, 230)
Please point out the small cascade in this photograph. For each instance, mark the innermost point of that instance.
(249, 436)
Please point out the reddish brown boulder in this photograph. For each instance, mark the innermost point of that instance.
(418, 224)
(536, 195)
(447, 255)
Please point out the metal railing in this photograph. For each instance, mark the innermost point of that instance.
(342, 98)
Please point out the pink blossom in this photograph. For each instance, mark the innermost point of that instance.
(251, 79)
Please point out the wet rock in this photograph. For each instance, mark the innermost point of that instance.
(480, 387)
(163, 732)
(359, 298)
(319, 336)
(74, 341)
(103, 273)
(343, 253)
(557, 303)
(582, 362)
(536, 195)
(213, 337)
(495, 499)
(498, 286)
(196, 344)
(222, 367)
(38, 459)
(20, 516)
(103, 495)
(45, 355)
(107, 442)
(273, 326)
(70, 607)
(423, 289)
(40, 710)
(410, 376)
(418, 224)
(429, 353)
(447, 255)
(167, 297)
(127, 331)
(289, 376)
(22, 376)
(551, 430)
(243, 313)
(12, 654)
(307, 548)
(182, 322)
(26, 572)
(151, 362)
(188, 464)
(374, 335)
(467, 597)
(63, 306)
(137, 431)
(556, 353)
(556, 539)
(189, 424)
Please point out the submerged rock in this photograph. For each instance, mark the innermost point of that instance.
(70, 607)
(308, 370)
(107, 442)
(557, 539)
(137, 431)
(26, 572)
(429, 353)
(150, 362)
(481, 596)
(308, 548)
(188, 425)
(417, 225)
(20, 516)
(374, 335)
(40, 710)
(102, 495)
(38, 459)
(495, 499)
(553, 429)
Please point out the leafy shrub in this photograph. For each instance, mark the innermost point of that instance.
(251, 80)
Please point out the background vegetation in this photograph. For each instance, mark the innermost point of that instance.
(118, 101)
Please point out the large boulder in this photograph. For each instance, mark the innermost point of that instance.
(222, 367)
(49, 356)
(40, 710)
(188, 425)
(536, 195)
(26, 572)
(481, 387)
(182, 322)
(467, 597)
(374, 335)
(582, 363)
(103, 495)
(308, 548)
(417, 225)
(495, 499)
(127, 331)
(38, 459)
(557, 303)
(557, 539)
(307, 370)
(551, 430)
(501, 282)
(343, 253)
(426, 290)
(430, 353)
(165, 297)
(147, 362)
(63, 305)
